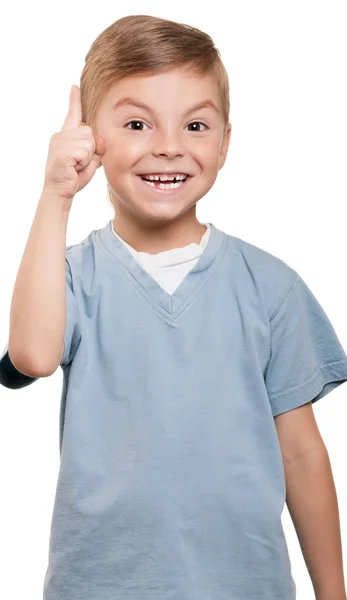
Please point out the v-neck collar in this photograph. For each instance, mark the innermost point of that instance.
(169, 305)
(169, 258)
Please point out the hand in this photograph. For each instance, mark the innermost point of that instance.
(74, 153)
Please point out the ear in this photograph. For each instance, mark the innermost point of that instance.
(225, 145)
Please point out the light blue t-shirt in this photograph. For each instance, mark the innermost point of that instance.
(171, 483)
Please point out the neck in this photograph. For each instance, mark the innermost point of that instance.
(158, 238)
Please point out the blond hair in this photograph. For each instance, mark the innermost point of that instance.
(140, 44)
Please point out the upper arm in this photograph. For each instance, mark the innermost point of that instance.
(298, 432)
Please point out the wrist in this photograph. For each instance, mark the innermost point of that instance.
(57, 202)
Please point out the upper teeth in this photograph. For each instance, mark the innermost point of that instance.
(164, 177)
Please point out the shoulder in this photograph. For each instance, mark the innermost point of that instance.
(81, 258)
(273, 277)
(75, 253)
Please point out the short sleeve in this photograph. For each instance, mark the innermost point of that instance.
(72, 335)
(307, 360)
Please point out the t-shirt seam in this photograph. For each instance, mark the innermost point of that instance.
(217, 259)
(296, 279)
(274, 398)
(126, 273)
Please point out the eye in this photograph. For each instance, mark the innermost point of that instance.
(198, 122)
(138, 122)
(142, 123)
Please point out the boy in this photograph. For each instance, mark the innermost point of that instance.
(191, 358)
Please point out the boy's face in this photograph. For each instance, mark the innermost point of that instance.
(168, 138)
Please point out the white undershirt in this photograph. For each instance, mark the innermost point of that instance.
(169, 267)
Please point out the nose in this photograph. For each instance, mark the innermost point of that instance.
(167, 143)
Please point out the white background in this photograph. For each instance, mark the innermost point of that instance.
(283, 188)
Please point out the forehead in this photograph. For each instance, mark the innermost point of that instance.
(171, 88)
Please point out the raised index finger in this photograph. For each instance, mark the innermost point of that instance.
(74, 116)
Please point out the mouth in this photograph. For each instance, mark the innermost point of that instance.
(165, 187)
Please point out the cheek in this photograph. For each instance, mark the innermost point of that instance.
(206, 151)
(118, 157)
(208, 158)
(122, 149)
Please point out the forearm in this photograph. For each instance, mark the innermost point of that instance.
(38, 311)
(313, 506)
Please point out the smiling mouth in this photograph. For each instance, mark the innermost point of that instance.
(167, 186)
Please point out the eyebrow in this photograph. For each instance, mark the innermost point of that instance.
(133, 102)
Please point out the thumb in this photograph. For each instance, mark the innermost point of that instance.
(100, 150)
(100, 145)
